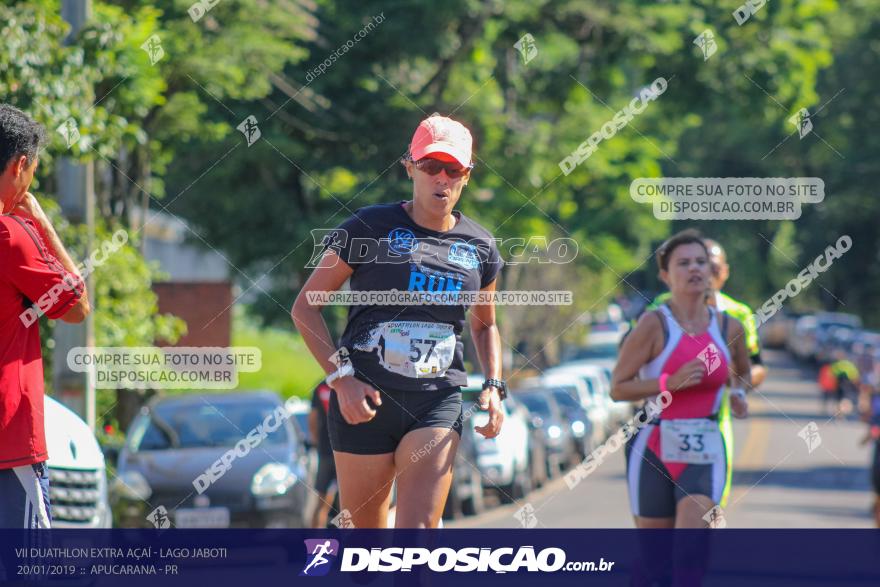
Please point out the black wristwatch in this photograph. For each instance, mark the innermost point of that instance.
(499, 384)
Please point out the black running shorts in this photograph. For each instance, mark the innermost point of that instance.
(400, 413)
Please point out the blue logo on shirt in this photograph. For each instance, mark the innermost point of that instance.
(402, 241)
(419, 281)
(464, 255)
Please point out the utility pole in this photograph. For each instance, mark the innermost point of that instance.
(76, 195)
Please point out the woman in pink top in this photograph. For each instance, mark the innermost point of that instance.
(682, 355)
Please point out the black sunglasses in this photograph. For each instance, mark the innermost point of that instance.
(435, 166)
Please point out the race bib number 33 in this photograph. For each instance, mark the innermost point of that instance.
(694, 441)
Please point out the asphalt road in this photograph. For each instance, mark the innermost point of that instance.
(778, 481)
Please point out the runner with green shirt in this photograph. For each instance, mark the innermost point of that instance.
(720, 271)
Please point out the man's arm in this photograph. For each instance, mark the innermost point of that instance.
(759, 371)
(753, 345)
(30, 208)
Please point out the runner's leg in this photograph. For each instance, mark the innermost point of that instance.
(651, 494)
(423, 481)
(365, 483)
(691, 509)
(642, 522)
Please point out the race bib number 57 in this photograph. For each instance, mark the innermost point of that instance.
(414, 349)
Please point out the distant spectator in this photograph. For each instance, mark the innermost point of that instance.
(325, 480)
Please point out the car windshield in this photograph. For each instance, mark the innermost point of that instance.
(597, 351)
(201, 425)
(565, 397)
(535, 402)
(826, 328)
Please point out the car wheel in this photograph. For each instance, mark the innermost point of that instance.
(542, 472)
(575, 457)
(538, 468)
(473, 505)
(552, 466)
(454, 504)
(507, 493)
(524, 486)
(587, 447)
(518, 488)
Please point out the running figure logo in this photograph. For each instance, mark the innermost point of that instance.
(153, 47)
(710, 358)
(69, 130)
(706, 43)
(320, 553)
(527, 48)
(802, 121)
(810, 434)
(343, 520)
(715, 518)
(250, 130)
(159, 518)
(526, 516)
(341, 357)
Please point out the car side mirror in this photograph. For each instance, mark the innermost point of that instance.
(111, 454)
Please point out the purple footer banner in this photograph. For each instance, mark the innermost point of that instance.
(211, 558)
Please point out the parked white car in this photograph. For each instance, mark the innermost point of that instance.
(503, 460)
(588, 394)
(77, 475)
(599, 372)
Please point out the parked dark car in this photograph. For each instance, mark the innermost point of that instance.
(212, 460)
(577, 418)
(833, 339)
(811, 331)
(546, 416)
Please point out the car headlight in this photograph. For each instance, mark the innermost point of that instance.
(578, 428)
(131, 485)
(554, 431)
(272, 479)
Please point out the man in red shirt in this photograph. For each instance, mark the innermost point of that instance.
(37, 277)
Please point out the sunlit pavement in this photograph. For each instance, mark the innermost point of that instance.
(778, 482)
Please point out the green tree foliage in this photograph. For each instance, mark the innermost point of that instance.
(53, 82)
(336, 89)
(333, 137)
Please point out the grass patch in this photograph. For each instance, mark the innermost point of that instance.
(287, 365)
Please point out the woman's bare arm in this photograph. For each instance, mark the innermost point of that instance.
(487, 340)
(638, 349)
(329, 275)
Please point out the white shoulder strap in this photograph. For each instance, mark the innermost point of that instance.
(675, 331)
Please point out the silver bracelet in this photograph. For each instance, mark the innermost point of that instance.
(343, 371)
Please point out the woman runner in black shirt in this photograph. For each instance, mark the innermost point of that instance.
(398, 368)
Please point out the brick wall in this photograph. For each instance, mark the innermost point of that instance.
(204, 306)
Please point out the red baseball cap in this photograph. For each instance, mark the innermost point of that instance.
(441, 135)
